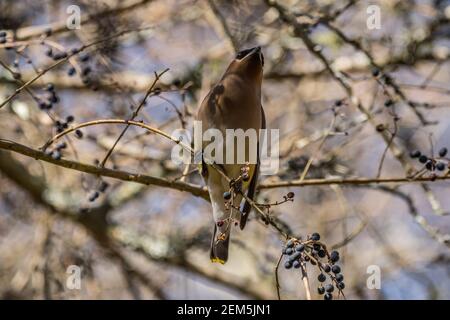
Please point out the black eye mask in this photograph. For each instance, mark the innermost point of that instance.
(243, 53)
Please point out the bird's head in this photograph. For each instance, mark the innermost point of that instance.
(248, 63)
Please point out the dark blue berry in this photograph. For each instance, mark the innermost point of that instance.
(79, 134)
(321, 253)
(336, 269)
(93, 196)
(326, 268)
(315, 236)
(328, 296)
(329, 288)
(84, 57)
(415, 154)
(300, 248)
(71, 71)
(295, 255)
(227, 195)
(334, 256)
(49, 52)
(388, 103)
(441, 166)
(321, 277)
(320, 290)
(296, 264)
(56, 155)
(289, 251)
(423, 159)
(103, 186)
(443, 152)
(61, 145)
(340, 286)
(288, 264)
(339, 277)
(86, 71)
(290, 243)
(50, 87)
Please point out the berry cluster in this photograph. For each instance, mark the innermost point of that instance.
(56, 152)
(299, 252)
(439, 163)
(50, 97)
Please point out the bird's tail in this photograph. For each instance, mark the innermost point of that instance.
(219, 247)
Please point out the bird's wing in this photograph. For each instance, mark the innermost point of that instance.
(252, 187)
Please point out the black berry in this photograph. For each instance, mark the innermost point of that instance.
(94, 196)
(423, 159)
(79, 134)
(415, 154)
(328, 296)
(329, 288)
(321, 277)
(103, 186)
(71, 71)
(336, 269)
(290, 243)
(315, 236)
(441, 166)
(56, 155)
(334, 256)
(227, 195)
(443, 152)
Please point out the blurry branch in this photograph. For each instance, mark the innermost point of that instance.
(105, 172)
(420, 219)
(94, 222)
(348, 181)
(305, 281)
(301, 32)
(223, 23)
(137, 82)
(134, 115)
(197, 190)
(176, 257)
(98, 227)
(391, 83)
(25, 85)
(27, 33)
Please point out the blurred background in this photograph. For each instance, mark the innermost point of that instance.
(353, 86)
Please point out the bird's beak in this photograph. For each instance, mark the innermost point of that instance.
(256, 50)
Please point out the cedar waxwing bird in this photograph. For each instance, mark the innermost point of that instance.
(233, 103)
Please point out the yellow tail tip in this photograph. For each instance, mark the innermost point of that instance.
(218, 260)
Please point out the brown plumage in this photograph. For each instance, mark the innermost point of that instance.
(233, 103)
